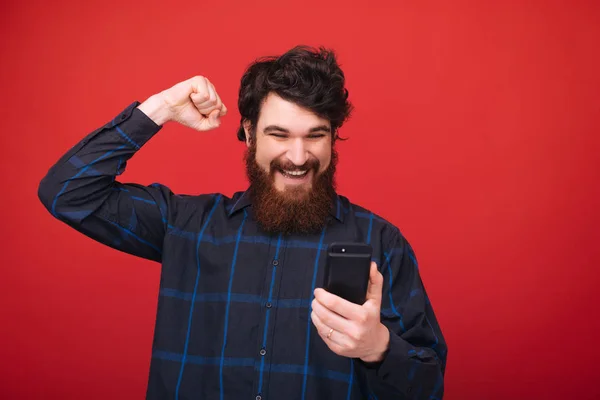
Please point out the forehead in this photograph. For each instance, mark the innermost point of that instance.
(288, 115)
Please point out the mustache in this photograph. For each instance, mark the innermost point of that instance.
(290, 166)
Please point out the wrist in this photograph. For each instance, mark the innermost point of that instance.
(383, 345)
(155, 109)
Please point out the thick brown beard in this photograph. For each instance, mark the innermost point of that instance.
(296, 210)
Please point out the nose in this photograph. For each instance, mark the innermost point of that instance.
(297, 153)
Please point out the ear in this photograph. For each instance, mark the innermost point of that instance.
(247, 130)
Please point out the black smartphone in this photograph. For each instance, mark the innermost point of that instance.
(347, 270)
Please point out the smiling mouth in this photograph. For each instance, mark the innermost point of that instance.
(293, 174)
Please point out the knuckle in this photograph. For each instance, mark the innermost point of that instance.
(197, 81)
(201, 97)
(363, 318)
(356, 335)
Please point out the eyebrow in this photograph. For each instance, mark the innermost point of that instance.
(276, 128)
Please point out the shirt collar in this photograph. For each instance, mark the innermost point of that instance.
(244, 201)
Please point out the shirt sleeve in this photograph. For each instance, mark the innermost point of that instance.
(414, 365)
(81, 188)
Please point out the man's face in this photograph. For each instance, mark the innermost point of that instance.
(291, 167)
(290, 143)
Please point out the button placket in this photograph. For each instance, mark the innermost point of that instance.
(270, 294)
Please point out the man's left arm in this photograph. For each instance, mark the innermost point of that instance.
(394, 337)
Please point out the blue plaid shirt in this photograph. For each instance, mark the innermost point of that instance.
(233, 318)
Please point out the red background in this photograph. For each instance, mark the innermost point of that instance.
(475, 131)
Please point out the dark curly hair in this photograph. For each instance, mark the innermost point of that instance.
(308, 77)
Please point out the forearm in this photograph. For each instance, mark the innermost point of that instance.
(83, 177)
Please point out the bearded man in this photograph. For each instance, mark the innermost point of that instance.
(241, 312)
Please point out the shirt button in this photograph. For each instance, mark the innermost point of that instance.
(275, 262)
(258, 397)
(269, 305)
(263, 352)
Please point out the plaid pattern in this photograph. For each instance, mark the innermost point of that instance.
(233, 318)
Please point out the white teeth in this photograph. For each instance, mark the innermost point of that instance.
(295, 173)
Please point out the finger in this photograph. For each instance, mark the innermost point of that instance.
(211, 122)
(375, 286)
(330, 318)
(218, 102)
(205, 96)
(322, 329)
(336, 338)
(200, 93)
(223, 110)
(206, 107)
(200, 101)
(337, 304)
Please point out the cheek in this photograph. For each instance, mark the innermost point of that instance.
(324, 157)
(265, 154)
(264, 162)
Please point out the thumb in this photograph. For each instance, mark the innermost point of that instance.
(375, 286)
